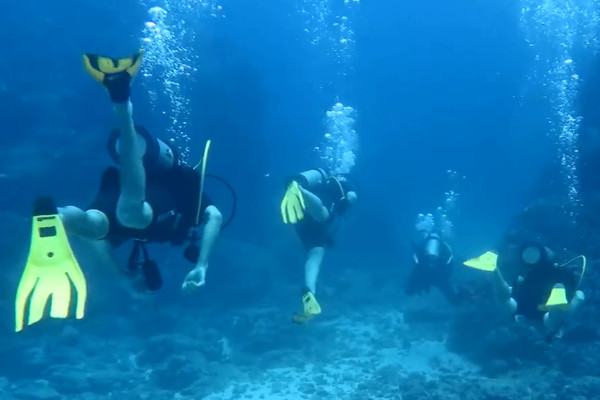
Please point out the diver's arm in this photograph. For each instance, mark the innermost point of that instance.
(210, 233)
(196, 278)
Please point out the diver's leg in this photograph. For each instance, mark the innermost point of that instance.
(314, 206)
(313, 267)
(90, 224)
(555, 319)
(212, 227)
(503, 293)
(132, 209)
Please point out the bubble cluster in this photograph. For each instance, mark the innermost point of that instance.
(340, 143)
(444, 212)
(169, 61)
(425, 222)
(554, 30)
(328, 23)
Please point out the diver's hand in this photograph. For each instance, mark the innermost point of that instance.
(195, 279)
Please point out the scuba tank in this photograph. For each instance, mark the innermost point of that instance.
(310, 179)
(158, 155)
(432, 247)
(428, 246)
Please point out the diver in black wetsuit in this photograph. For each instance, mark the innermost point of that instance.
(315, 202)
(432, 262)
(545, 292)
(151, 197)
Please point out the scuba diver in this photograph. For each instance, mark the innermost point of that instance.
(315, 202)
(544, 292)
(432, 261)
(151, 198)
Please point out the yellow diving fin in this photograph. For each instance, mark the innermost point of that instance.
(488, 261)
(292, 205)
(50, 270)
(556, 300)
(311, 309)
(114, 73)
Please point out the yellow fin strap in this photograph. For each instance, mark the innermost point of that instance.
(488, 261)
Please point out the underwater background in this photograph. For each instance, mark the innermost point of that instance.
(485, 111)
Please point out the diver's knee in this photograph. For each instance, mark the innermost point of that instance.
(99, 223)
(316, 253)
(136, 216)
(214, 215)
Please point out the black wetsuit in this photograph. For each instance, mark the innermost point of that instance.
(533, 289)
(320, 234)
(430, 271)
(173, 196)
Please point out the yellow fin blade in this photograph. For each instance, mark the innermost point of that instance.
(557, 299)
(486, 262)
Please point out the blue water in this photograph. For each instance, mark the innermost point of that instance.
(435, 87)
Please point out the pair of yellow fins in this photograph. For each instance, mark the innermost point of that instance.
(488, 262)
(52, 272)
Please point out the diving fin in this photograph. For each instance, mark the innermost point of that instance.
(51, 269)
(293, 205)
(310, 309)
(486, 262)
(556, 300)
(114, 74)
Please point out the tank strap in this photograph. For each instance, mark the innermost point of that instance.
(340, 186)
(138, 255)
